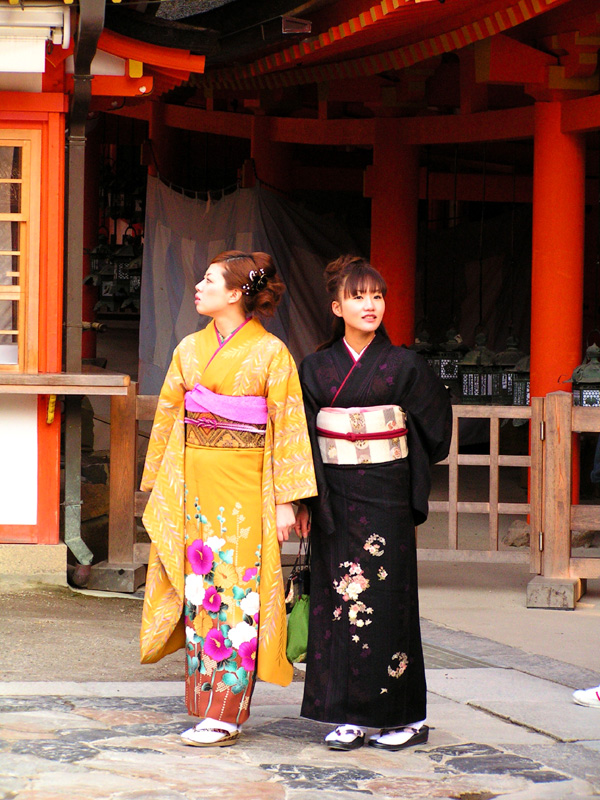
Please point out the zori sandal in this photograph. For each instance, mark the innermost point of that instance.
(209, 737)
(345, 737)
(400, 738)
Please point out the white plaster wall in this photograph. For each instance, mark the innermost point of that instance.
(18, 459)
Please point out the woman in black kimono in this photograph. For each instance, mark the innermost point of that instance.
(368, 403)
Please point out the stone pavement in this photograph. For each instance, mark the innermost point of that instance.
(502, 726)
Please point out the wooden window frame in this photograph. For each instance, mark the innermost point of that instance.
(29, 242)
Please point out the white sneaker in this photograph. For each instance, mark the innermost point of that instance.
(587, 697)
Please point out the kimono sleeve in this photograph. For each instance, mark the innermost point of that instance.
(293, 473)
(320, 505)
(427, 402)
(169, 406)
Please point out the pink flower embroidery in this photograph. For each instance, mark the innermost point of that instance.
(200, 557)
(214, 646)
(247, 651)
(249, 574)
(212, 600)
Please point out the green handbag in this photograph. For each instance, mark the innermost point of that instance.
(298, 602)
(297, 630)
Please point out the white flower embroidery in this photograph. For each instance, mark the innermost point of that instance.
(381, 574)
(242, 633)
(191, 635)
(194, 589)
(353, 583)
(215, 543)
(250, 604)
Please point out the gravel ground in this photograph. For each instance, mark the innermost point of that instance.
(54, 634)
(58, 634)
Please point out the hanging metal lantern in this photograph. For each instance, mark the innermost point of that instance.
(521, 382)
(100, 254)
(444, 359)
(125, 255)
(586, 379)
(452, 352)
(476, 371)
(135, 276)
(503, 380)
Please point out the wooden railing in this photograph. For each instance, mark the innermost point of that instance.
(493, 508)
(560, 515)
(552, 420)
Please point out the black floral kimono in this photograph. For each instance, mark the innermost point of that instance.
(365, 658)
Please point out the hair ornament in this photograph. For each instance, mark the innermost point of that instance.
(257, 280)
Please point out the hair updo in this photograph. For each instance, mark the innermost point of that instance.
(352, 275)
(254, 274)
(348, 276)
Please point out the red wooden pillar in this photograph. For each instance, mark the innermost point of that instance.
(557, 257)
(272, 160)
(393, 186)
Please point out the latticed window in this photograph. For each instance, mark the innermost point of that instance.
(19, 238)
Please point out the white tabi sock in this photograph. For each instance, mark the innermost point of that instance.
(345, 733)
(211, 722)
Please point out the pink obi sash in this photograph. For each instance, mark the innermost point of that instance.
(371, 435)
(225, 411)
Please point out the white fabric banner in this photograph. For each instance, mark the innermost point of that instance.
(183, 234)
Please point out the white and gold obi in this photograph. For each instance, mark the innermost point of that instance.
(371, 435)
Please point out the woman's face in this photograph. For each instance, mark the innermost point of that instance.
(212, 296)
(363, 312)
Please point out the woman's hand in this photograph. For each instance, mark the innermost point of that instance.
(285, 519)
(302, 526)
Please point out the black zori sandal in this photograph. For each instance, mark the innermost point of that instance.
(418, 736)
(335, 743)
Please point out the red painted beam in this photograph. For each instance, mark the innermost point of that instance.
(581, 115)
(323, 131)
(501, 59)
(153, 54)
(219, 122)
(118, 86)
(33, 101)
(485, 126)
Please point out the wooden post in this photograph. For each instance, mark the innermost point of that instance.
(123, 430)
(557, 486)
(453, 483)
(554, 588)
(120, 572)
(536, 478)
(494, 482)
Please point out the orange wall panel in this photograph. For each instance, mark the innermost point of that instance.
(45, 113)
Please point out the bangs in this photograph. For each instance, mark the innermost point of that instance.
(364, 278)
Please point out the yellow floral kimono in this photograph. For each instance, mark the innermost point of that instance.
(214, 571)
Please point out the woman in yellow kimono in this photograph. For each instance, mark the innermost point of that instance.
(228, 454)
